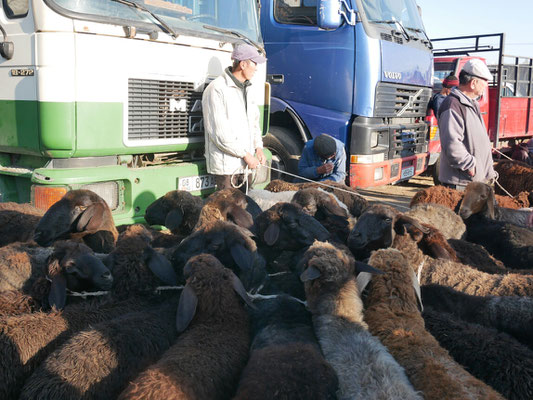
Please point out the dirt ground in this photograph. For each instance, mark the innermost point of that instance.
(398, 195)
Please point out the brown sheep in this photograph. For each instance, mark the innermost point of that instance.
(392, 314)
(17, 222)
(207, 358)
(451, 198)
(80, 215)
(514, 176)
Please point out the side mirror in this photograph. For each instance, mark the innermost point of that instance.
(328, 14)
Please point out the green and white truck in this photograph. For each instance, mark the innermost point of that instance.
(106, 95)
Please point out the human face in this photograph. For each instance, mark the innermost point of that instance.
(248, 69)
(478, 86)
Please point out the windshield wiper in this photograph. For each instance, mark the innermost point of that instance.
(430, 45)
(238, 34)
(133, 4)
(395, 22)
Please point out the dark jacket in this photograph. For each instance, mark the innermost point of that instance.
(464, 140)
(309, 161)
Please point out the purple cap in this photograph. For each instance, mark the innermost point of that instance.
(244, 52)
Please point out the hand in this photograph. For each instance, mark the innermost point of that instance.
(325, 169)
(251, 161)
(471, 172)
(260, 155)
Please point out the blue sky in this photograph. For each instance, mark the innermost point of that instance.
(471, 17)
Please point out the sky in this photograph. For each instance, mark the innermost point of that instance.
(451, 18)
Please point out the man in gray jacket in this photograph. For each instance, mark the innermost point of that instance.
(466, 149)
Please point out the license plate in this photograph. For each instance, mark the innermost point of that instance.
(407, 172)
(198, 182)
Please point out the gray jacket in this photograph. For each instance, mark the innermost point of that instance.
(465, 142)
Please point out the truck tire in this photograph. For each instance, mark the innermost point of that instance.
(435, 172)
(286, 149)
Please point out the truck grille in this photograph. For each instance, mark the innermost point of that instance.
(407, 140)
(392, 98)
(163, 110)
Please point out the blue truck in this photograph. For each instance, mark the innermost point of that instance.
(359, 70)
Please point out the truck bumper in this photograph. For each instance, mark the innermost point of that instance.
(391, 171)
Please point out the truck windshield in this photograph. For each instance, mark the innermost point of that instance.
(389, 11)
(181, 15)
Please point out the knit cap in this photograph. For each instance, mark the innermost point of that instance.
(325, 146)
(450, 81)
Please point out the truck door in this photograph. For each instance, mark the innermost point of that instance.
(317, 65)
(18, 91)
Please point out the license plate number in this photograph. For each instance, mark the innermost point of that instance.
(198, 182)
(407, 172)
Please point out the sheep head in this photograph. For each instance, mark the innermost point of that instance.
(328, 271)
(74, 266)
(178, 210)
(210, 292)
(77, 211)
(478, 198)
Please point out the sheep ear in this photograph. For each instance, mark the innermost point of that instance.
(173, 219)
(363, 267)
(240, 217)
(490, 203)
(241, 291)
(362, 280)
(91, 218)
(310, 274)
(242, 256)
(186, 308)
(271, 234)
(402, 220)
(58, 292)
(160, 266)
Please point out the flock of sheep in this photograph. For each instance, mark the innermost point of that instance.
(292, 292)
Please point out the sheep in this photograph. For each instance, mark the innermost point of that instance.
(80, 215)
(477, 256)
(493, 357)
(97, 362)
(392, 314)
(230, 205)
(514, 176)
(17, 222)
(471, 281)
(451, 198)
(70, 266)
(353, 200)
(325, 208)
(364, 367)
(82, 273)
(479, 198)
(510, 314)
(266, 199)
(285, 360)
(448, 222)
(378, 227)
(178, 210)
(286, 226)
(206, 360)
(511, 244)
(26, 340)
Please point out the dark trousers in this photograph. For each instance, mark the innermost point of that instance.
(224, 181)
(460, 188)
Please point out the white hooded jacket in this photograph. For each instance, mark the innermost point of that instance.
(231, 126)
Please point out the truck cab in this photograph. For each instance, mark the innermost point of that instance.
(106, 95)
(358, 70)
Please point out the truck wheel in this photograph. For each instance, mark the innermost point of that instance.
(286, 149)
(435, 172)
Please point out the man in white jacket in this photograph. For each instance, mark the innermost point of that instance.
(231, 120)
